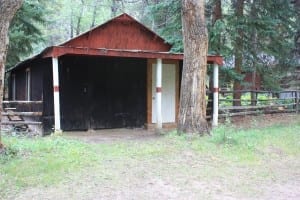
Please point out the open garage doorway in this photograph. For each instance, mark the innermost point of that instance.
(102, 92)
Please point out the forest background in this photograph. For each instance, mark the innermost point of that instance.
(254, 36)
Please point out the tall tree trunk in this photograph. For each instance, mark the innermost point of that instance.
(192, 113)
(253, 15)
(216, 15)
(238, 54)
(8, 8)
(297, 36)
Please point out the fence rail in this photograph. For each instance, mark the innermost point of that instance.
(254, 102)
(20, 114)
(23, 106)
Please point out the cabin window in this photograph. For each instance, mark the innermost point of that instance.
(13, 87)
(28, 85)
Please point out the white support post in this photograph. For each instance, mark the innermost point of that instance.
(216, 96)
(158, 94)
(56, 94)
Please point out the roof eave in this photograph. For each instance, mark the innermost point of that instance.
(57, 51)
(28, 60)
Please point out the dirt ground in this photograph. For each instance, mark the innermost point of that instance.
(177, 176)
(116, 135)
(112, 135)
(136, 181)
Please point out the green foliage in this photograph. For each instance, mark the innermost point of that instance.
(268, 30)
(262, 99)
(217, 34)
(165, 18)
(275, 28)
(246, 145)
(7, 154)
(24, 32)
(272, 23)
(41, 23)
(33, 161)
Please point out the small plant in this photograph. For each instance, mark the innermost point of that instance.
(7, 154)
(227, 124)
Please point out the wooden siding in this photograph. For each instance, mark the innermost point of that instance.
(24, 106)
(101, 92)
(103, 76)
(122, 32)
(36, 82)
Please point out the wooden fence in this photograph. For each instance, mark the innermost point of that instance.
(254, 102)
(22, 112)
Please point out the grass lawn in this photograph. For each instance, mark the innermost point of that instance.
(260, 163)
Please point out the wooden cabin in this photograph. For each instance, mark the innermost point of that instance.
(103, 78)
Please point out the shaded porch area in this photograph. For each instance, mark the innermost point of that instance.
(102, 92)
(117, 89)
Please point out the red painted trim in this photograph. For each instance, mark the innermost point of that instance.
(57, 51)
(158, 89)
(216, 90)
(56, 88)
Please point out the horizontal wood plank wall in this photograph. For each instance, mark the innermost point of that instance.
(149, 88)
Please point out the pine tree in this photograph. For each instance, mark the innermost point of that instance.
(164, 17)
(25, 32)
(260, 36)
(238, 7)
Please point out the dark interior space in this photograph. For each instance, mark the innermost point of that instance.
(20, 81)
(102, 92)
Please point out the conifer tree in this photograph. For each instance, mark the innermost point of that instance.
(25, 31)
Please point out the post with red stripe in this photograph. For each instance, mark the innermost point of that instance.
(158, 95)
(56, 94)
(216, 96)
